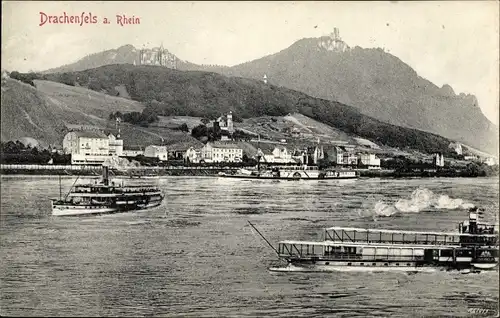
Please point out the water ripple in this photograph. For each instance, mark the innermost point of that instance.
(196, 256)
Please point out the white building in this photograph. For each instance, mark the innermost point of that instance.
(86, 147)
(338, 155)
(132, 152)
(226, 126)
(350, 159)
(115, 145)
(490, 161)
(159, 152)
(279, 155)
(471, 157)
(438, 160)
(369, 160)
(193, 155)
(457, 147)
(221, 152)
(343, 155)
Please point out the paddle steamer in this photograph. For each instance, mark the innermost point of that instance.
(292, 173)
(473, 247)
(106, 197)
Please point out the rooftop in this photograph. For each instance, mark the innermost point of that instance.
(90, 134)
(133, 148)
(225, 145)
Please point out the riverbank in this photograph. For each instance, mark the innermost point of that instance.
(12, 169)
(450, 173)
(98, 172)
(213, 172)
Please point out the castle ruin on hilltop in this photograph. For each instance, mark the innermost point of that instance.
(158, 56)
(333, 42)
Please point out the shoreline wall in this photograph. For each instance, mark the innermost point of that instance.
(208, 171)
(97, 170)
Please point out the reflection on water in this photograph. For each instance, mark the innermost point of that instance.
(196, 255)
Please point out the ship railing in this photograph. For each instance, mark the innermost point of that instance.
(375, 258)
(311, 250)
(355, 235)
(299, 249)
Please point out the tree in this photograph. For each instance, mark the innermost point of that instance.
(323, 163)
(114, 116)
(199, 131)
(472, 170)
(67, 79)
(236, 118)
(184, 127)
(24, 77)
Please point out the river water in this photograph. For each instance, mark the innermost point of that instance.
(197, 256)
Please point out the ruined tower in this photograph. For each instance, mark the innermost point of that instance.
(230, 127)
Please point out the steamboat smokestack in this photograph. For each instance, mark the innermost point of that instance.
(105, 175)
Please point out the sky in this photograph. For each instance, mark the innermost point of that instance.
(449, 42)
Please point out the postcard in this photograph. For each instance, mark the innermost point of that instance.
(249, 159)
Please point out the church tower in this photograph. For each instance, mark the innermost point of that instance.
(230, 127)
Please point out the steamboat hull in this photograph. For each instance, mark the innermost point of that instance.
(119, 205)
(401, 266)
(340, 268)
(71, 210)
(379, 249)
(287, 178)
(292, 173)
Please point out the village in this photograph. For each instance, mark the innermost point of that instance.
(90, 146)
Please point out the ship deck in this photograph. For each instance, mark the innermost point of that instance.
(362, 230)
(363, 244)
(328, 250)
(360, 235)
(104, 186)
(113, 194)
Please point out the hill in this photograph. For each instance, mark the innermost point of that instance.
(26, 113)
(171, 92)
(377, 83)
(47, 112)
(126, 54)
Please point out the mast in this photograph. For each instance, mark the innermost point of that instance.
(71, 188)
(258, 154)
(275, 250)
(60, 189)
